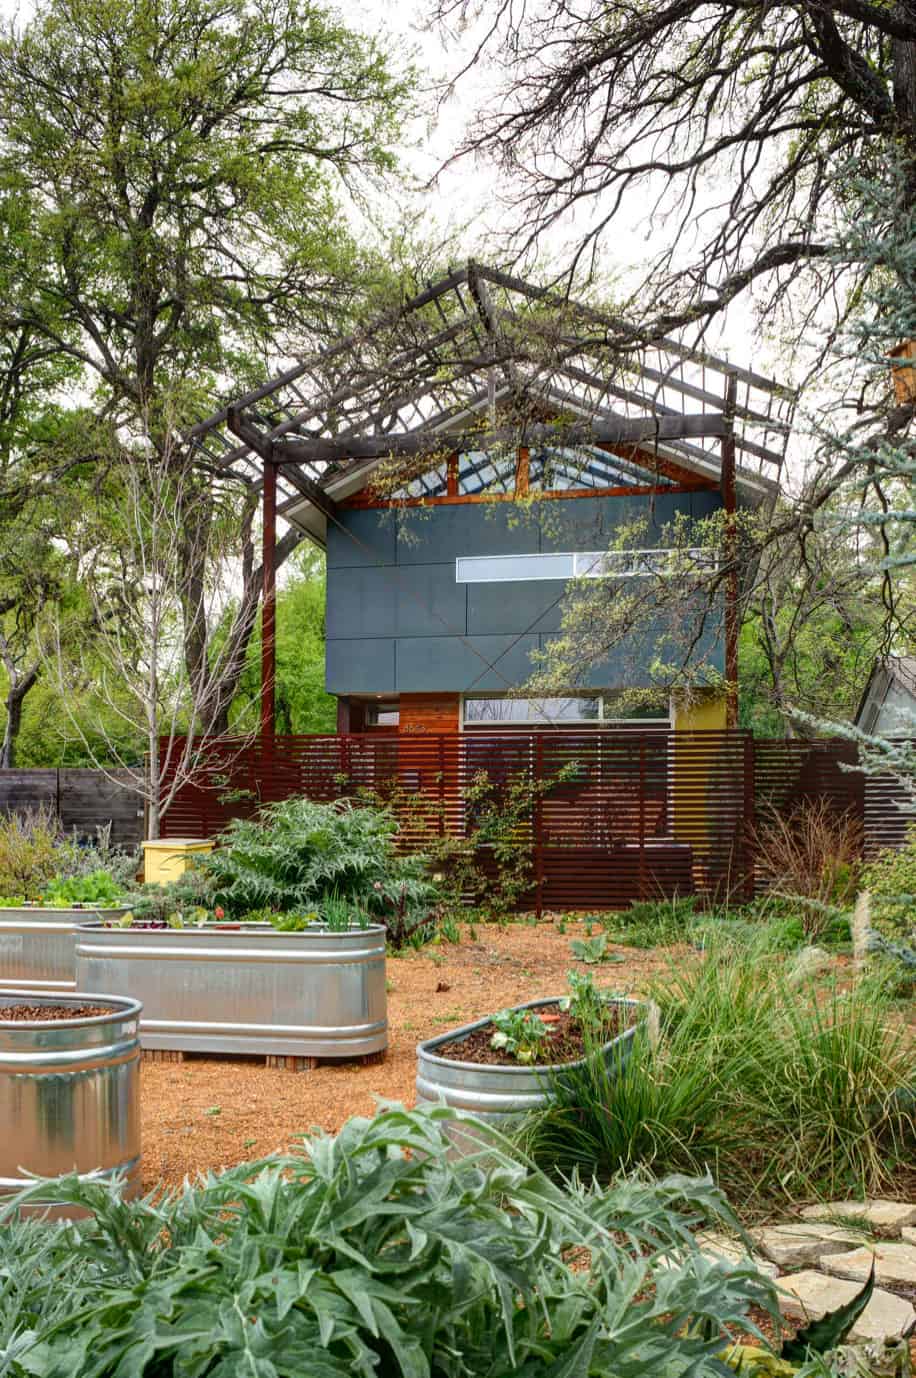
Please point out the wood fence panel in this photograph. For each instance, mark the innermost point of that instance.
(84, 799)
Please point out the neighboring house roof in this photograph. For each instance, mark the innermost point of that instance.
(452, 363)
(888, 705)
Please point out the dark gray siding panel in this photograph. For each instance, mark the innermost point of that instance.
(362, 666)
(513, 607)
(393, 601)
(449, 663)
(594, 523)
(368, 538)
(443, 533)
(361, 602)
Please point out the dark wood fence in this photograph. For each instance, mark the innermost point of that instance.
(83, 799)
(615, 815)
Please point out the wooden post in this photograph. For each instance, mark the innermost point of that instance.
(642, 818)
(538, 826)
(269, 603)
(732, 581)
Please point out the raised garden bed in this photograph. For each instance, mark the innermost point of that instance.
(457, 1068)
(246, 988)
(37, 944)
(69, 1087)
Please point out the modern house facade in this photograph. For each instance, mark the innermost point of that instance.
(469, 458)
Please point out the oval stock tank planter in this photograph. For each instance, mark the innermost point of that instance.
(37, 945)
(497, 1095)
(245, 988)
(69, 1091)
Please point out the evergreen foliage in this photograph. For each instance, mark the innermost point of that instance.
(375, 1254)
(298, 853)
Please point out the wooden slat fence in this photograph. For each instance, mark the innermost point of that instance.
(614, 816)
(83, 799)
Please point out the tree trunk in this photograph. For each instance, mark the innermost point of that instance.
(14, 701)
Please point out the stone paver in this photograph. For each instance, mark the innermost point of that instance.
(719, 1246)
(908, 1234)
(808, 1295)
(889, 1216)
(895, 1264)
(792, 1246)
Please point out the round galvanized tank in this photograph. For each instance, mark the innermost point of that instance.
(37, 945)
(246, 988)
(499, 1095)
(70, 1091)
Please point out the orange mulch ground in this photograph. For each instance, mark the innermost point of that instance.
(214, 1112)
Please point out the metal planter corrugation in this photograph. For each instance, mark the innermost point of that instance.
(37, 945)
(500, 1095)
(70, 1091)
(249, 989)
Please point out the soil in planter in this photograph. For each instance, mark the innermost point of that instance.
(15, 1014)
(565, 1041)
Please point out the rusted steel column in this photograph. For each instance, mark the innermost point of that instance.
(732, 581)
(269, 603)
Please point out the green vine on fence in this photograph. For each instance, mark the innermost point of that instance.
(492, 860)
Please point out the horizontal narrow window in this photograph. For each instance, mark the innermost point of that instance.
(489, 569)
(589, 564)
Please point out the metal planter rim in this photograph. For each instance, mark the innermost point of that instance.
(266, 930)
(123, 1007)
(426, 1048)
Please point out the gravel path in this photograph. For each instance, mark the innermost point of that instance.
(214, 1112)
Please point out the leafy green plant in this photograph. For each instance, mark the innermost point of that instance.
(188, 898)
(593, 950)
(98, 887)
(584, 1001)
(81, 859)
(520, 1033)
(297, 855)
(295, 923)
(375, 1253)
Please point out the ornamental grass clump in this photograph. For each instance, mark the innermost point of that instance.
(374, 1255)
(782, 1089)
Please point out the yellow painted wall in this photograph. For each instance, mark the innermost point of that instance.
(692, 765)
(167, 858)
(703, 712)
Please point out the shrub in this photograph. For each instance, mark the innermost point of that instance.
(785, 1089)
(298, 854)
(77, 860)
(812, 851)
(29, 851)
(375, 1254)
(653, 923)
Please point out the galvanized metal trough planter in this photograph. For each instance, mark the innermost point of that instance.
(37, 945)
(246, 988)
(69, 1092)
(498, 1095)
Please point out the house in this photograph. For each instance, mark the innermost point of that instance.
(465, 457)
(888, 705)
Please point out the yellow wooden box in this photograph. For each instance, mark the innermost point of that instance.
(167, 858)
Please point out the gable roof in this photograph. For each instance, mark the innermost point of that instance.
(887, 673)
(481, 357)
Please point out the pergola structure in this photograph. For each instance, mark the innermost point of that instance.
(483, 358)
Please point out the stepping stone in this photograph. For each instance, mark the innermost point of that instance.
(908, 1234)
(719, 1246)
(792, 1246)
(809, 1295)
(895, 1264)
(890, 1216)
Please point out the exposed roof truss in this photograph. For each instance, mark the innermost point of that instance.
(479, 359)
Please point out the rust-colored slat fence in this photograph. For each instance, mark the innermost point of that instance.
(614, 816)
